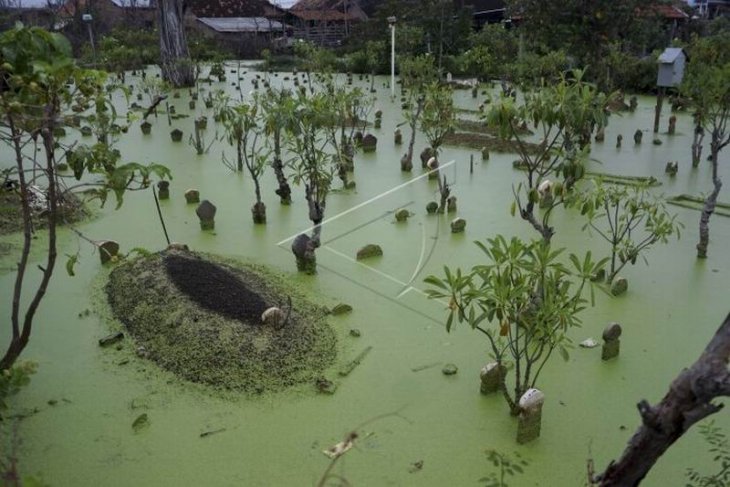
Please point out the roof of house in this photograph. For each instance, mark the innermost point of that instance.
(663, 10)
(234, 8)
(328, 10)
(670, 55)
(242, 24)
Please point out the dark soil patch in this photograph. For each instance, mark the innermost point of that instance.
(480, 127)
(199, 317)
(494, 144)
(214, 288)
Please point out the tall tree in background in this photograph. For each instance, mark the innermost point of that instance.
(177, 68)
(584, 28)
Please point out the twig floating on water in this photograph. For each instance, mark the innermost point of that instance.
(205, 434)
(421, 368)
(347, 369)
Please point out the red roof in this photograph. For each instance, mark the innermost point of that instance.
(666, 11)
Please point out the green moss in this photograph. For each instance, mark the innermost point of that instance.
(202, 346)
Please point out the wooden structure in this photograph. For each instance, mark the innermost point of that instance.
(244, 26)
(325, 22)
(670, 74)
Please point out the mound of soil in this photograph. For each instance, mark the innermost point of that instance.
(199, 317)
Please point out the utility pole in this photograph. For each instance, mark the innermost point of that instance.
(391, 22)
(87, 18)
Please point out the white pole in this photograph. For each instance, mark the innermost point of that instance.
(392, 60)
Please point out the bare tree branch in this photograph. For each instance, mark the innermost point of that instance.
(688, 401)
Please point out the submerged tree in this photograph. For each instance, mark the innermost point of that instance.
(177, 68)
(438, 117)
(314, 167)
(350, 110)
(524, 300)
(416, 73)
(278, 108)
(245, 130)
(631, 219)
(707, 84)
(39, 82)
(564, 116)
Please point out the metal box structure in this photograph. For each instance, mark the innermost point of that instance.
(671, 67)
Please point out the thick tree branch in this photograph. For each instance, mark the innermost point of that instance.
(688, 401)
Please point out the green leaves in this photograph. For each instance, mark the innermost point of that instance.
(70, 263)
(524, 299)
(628, 217)
(438, 117)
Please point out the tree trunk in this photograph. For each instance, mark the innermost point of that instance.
(177, 68)
(688, 401)
(445, 192)
(284, 191)
(710, 204)
(258, 210)
(699, 135)
(20, 336)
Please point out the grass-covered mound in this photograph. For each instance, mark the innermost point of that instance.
(71, 210)
(200, 317)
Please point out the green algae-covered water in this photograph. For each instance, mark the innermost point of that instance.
(404, 408)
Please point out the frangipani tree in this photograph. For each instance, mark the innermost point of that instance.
(564, 115)
(416, 73)
(278, 108)
(630, 218)
(39, 84)
(706, 82)
(314, 167)
(244, 128)
(438, 117)
(524, 300)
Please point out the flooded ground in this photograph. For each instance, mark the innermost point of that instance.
(405, 408)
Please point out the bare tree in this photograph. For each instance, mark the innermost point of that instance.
(688, 401)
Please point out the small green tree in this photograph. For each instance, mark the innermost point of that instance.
(439, 116)
(506, 466)
(40, 83)
(314, 167)
(630, 218)
(244, 128)
(350, 110)
(278, 108)
(416, 73)
(524, 300)
(374, 54)
(564, 115)
(707, 84)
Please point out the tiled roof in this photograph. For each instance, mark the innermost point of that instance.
(242, 24)
(234, 8)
